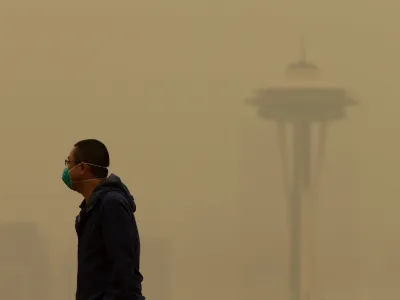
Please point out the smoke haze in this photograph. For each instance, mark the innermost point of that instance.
(163, 84)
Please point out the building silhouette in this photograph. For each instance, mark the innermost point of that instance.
(299, 104)
(25, 270)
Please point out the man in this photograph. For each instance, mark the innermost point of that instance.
(108, 238)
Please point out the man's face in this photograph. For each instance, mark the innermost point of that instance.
(77, 170)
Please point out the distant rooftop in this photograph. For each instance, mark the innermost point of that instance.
(303, 65)
(302, 70)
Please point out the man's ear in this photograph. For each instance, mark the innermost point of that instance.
(83, 167)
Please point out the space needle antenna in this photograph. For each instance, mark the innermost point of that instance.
(303, 50)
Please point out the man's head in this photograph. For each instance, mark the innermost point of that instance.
(88, 161)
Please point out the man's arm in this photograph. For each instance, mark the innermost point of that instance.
(117, 231)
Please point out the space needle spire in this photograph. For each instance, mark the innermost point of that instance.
(303, 50)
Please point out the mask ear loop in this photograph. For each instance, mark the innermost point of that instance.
(94, 165)
(98, 167)
(92, 179)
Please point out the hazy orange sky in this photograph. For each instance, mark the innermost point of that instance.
(164, 84)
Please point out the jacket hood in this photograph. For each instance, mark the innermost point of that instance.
(112, 183)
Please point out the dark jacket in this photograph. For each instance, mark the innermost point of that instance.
(108, 245)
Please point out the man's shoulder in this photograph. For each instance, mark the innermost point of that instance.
(113, 195)
(114, 200)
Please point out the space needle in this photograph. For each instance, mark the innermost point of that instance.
(302, 107)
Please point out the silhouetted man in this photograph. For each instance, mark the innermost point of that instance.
(108, 238)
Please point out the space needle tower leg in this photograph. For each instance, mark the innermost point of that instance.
(301, 195)
(298, 206)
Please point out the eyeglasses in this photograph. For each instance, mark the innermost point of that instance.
(68, 162)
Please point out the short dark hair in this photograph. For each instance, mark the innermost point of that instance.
(94, 152)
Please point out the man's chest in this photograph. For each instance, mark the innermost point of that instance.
(89, 231)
